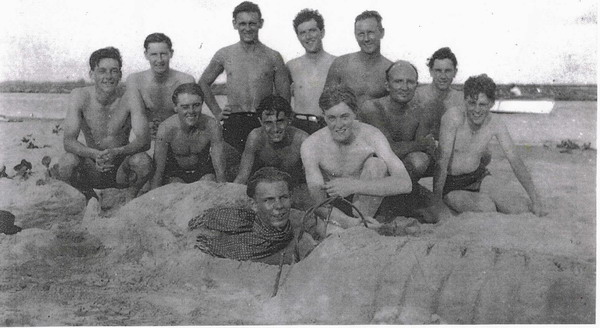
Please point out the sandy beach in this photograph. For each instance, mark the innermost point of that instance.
(136, 265)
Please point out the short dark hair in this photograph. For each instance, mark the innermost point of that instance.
(307, 14)
(480, 84)
(188, 88)
(274, 104)
(108, 52)
(442, 53)
(337, 93)
(247, 7)
(387, 71)
(158, 38)
(267, 174)
(370, 14)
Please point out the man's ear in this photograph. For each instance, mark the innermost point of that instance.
(253, 205)
(233, 23)
(260, 23)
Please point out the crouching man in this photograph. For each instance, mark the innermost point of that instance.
(350, 159)
(108, 159)
(265, 233)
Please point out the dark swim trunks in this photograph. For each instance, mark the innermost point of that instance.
(237, 127)
(309, 123)
(204, 166)
(461, 182)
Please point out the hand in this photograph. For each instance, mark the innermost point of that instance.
(429, 143)
(372, 223)
(225, 113)
(340, 187)
(538, 209)
(105, 160)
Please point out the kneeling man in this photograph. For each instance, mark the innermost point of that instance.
(350, 159)
(265, 233)
(276, 143)
(464, 137)
(189, 144)
(106, 116)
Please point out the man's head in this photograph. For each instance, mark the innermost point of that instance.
(188, 98)
(401, 81)
(369, 31)
(310, 30)
(442, 68)
(480, 94)
(275, 115)
(158, 50)
(247, 20)
(338, 103)
(105, 68)
(270, 190)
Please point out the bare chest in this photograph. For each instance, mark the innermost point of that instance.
(183, 144)
(345, 161)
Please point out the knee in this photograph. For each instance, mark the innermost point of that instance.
(67, 165)
(468, 201)
(141, 163)
(375, 168)
(419, 161)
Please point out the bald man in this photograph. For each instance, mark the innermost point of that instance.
(402, 121)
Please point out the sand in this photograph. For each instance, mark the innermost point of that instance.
(134, 264)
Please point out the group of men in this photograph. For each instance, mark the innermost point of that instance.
(359, 126)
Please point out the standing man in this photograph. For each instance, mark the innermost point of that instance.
(464, 136)
(309, 71)
(156, 85)
(189, 144)
(275, 143)
(401, 120)
(350, 159)
(363, 71)
(439, 96)
(254, 71)
(107, 159)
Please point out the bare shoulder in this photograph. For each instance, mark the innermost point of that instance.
(183, 77)
(369, 132)
(296, 63)
(454, 115)
(166, 127)
(298, 134)
(135, 78)
(315, 140)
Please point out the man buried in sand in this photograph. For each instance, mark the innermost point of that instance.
(106, 117)
(350, 159)
(189, 144)
(464, 138)
(265, 233)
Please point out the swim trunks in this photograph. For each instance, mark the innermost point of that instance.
(461, 182)
(204, 166)
(237, 127)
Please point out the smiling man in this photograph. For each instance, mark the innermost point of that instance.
(275, 143)
(156, 85)
(189, 144)
(464, 136)
(350, 159)
(253, 70)
(309, 71)
(363, 71)
(106, 117)
(402, 121)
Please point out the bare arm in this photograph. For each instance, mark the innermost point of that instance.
(448, 128)
(216, 151)
(132, 100)
(282, 78)
(160, 156)
(210, 74)
(72, 126)
(333, 75)
(518, 166)
(248, 156)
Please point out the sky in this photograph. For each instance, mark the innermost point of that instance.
(513, 41)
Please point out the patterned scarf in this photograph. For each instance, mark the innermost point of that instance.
(243, 236)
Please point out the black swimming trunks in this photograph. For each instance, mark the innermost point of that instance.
(237, 127)
(173, 170)
(461, 182)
